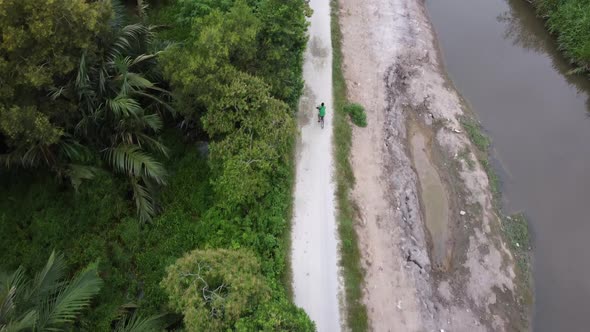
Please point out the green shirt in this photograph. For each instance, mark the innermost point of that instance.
(322, 110)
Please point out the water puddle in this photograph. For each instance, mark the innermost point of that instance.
(435, 202)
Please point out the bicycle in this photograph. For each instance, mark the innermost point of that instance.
(321, 120)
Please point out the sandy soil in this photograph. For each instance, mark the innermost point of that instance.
(392, 67)
(316, 282)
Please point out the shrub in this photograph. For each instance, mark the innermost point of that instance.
(357, 114)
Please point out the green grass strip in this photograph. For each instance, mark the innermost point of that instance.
(356, 311)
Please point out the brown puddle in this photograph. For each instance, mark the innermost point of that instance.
(434, 198)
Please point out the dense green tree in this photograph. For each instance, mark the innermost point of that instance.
(41, 45)
(221, 290)
(42, 41)
(213, 289)
(281, 43)
(251, 130)
(200, 68)
(277, 315)
(255, 133)
(265, 38)
(49, 302)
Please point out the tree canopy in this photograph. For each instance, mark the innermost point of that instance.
(92, 98)
(221, 290)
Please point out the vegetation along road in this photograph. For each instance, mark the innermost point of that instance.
(152, 149)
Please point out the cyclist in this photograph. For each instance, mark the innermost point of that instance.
(321, 112)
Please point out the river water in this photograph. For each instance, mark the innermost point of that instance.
(507, 67)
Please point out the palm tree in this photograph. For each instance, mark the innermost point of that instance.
(49, 302)
(120, 112)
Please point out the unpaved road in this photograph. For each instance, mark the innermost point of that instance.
(314, 255)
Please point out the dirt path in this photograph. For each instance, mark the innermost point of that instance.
(467, 283)
(314, 238)
(392, 304)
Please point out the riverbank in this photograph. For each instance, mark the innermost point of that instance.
(537, 116)
(453, 273)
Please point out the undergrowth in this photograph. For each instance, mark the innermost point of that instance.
(39, 215)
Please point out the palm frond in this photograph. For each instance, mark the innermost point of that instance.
(152, 144)
(82, 81)
(137, 323)
(55, 92)
(78, 173)
(137, 81)
(121, 64)
(152, 121)
(119, 13)
(144, 57)
(142, 9)
(7, 304)
(33, 156)
(103, 75)
(74, 151)
(123, 106)
(144, 201)
(47, 281)
(130, 160)
(70, 300)
(157, 100)
(12, 287)
(128, 35)
(26, 322)
(24, 156)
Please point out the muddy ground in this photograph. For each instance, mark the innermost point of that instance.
(452, 272)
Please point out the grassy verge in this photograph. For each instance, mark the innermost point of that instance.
(356, 312)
